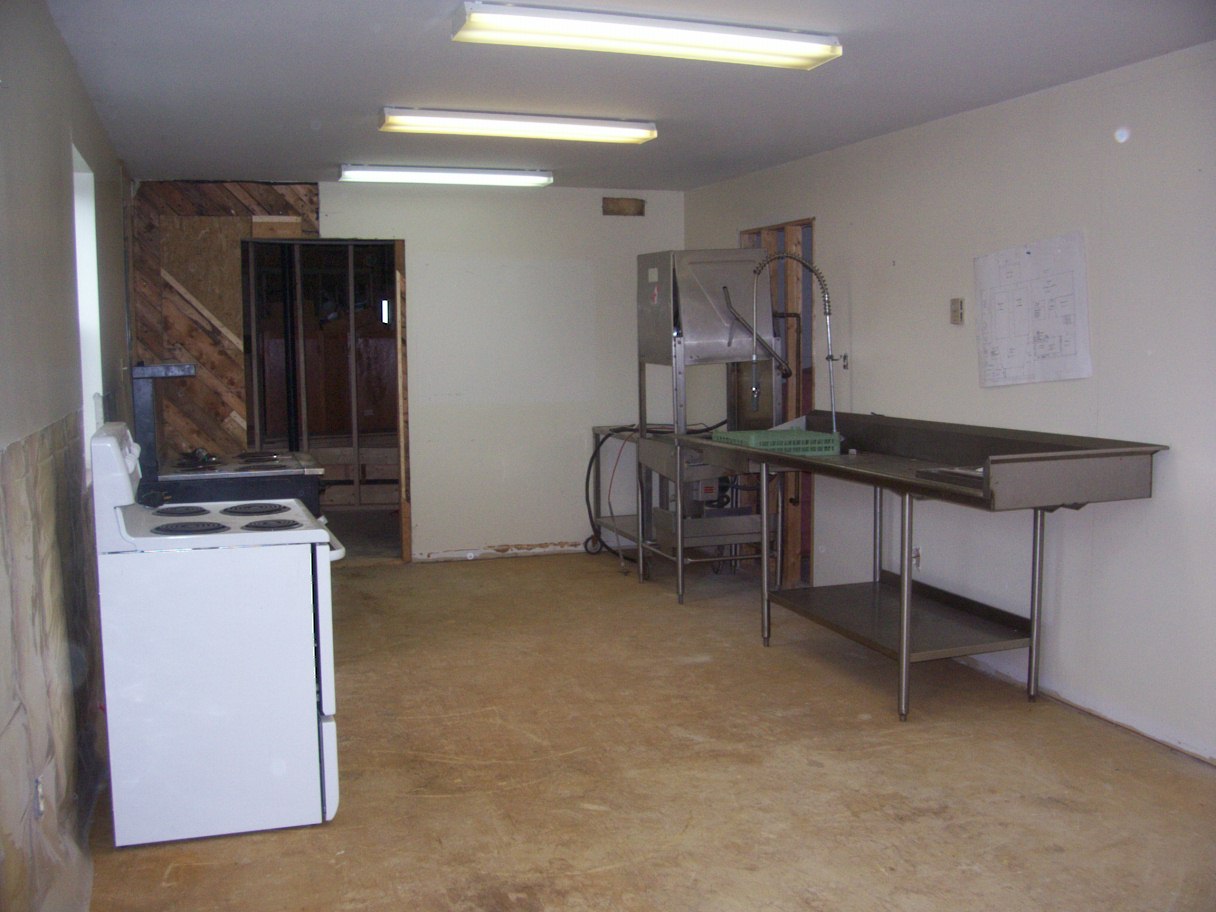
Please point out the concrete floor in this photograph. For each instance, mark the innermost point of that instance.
(545, 733)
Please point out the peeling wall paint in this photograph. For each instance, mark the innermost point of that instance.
(490, 551)
(50, 681)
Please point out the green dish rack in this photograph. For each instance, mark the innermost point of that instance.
(796, 443)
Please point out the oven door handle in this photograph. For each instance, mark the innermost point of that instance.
(337, 550)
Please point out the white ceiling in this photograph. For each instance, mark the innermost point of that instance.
(287, 90)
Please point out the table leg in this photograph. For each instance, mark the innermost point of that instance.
(905, 604)
(766, 618)
(643, 504)
(679, 524)
(1036, 602)
(877, 534)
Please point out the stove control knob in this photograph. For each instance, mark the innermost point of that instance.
(131, 455)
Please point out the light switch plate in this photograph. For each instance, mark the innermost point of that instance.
(956, 311)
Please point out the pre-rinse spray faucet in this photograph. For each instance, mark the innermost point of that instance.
(827, 321)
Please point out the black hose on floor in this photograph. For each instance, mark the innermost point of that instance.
(594, 543)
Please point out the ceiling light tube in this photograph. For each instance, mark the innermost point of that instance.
(532, 26)
(477, 177)
(524, 126)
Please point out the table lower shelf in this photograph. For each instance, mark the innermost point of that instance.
(698, 549)
(623, 527)
(943, 624)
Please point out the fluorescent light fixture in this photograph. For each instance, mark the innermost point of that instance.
(478, 177)
(535, 26)
(525, 126)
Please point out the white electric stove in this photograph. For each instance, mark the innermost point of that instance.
(217, 645)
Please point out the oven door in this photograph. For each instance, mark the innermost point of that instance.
(323, 556)
(211, 690)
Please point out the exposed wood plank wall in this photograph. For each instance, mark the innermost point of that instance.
(173, 321)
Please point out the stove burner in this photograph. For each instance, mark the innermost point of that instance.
(182, 510)
(270, 525)
(189, 528)
(255, 509)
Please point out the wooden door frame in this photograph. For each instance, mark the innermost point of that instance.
(403, 406)
(398, 247)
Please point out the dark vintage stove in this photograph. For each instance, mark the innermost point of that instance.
(199, 476)
(202, 477)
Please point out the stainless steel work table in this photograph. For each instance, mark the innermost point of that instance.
(992, 469)
(679, 535)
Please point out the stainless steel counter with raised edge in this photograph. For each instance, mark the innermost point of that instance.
(983, 467)
(993, 469)
(1018, 469)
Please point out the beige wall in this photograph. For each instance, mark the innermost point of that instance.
(45, 112)
(1131, 587)
(45, 568)
(522, 334)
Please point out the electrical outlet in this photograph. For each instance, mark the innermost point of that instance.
(956, 311)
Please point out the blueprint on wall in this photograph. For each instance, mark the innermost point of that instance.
(1034, 313)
